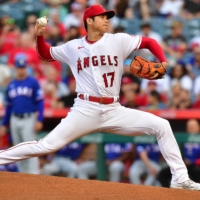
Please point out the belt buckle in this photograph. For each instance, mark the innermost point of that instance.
(101, 100)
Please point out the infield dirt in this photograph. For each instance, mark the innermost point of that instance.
(18, 186)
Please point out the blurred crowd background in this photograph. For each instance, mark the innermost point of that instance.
(174, 24)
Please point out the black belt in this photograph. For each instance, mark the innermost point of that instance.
(23, 115)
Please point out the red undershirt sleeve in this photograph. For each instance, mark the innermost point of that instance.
(43, 49)
(154, 47)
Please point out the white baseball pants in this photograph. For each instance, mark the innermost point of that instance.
(88, 117)
(22, 130)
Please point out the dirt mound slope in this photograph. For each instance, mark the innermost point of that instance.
(19, 186)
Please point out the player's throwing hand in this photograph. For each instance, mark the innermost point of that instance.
(41, 25)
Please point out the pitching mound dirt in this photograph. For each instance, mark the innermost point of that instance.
(35, 187)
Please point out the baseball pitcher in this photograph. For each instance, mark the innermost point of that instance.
(96, 61)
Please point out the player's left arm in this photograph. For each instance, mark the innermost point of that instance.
(153, 46)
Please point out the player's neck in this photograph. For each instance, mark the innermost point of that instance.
(94, 36)
(21, 77)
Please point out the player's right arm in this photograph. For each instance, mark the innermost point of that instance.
(42, 47)
(60, 53)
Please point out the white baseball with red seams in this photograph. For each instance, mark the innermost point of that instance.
(42, 21)
(98, 68)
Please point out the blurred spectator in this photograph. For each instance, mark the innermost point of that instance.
(27, 47)
(185, 100)
(179, 74)
(54, 6)
(64, 161)
(147, 31)
(197, 92)
(5, 75)
(193, 64)
(175, 44)
(68, 100)
(56, 22)
(171, 7)
(196, 103)
(23, 111)
(180, 98)
(161, 85)
(116, 156)
(194, 43)
(129, 99)
(121, 7)
(9, 34)
(193, 126)
(5, 78)
(191, 154)
(72, 33)
(191, 9)
(129, 90)
(147, 161)
(51, 77)
(74, 18)
(30, 21)
(55, 36)
(119, 29)
(155, 101)
(175, 96)
(144, 9)
(50, 96)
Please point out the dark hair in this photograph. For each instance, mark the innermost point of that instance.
(85, 23)
(183, 68)
(155, 94)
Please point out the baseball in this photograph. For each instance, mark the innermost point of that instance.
(42, 21)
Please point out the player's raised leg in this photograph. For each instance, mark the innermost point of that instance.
(75, 125)
(134, 122)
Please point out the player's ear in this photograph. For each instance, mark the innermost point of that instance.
(89, 21)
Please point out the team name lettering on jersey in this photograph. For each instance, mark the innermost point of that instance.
(20, 91)
(102, 60)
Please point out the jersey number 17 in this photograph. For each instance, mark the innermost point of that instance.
(105, 76)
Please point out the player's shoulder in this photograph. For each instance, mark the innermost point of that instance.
(119, 36)
(32, 80)
(11, 84)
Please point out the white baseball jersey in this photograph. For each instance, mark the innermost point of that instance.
(97, 67)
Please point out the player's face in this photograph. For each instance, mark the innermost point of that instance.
(21, 72)
(100, 23)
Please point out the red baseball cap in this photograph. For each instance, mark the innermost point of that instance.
(95, 10)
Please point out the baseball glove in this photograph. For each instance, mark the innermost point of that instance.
(143, 68)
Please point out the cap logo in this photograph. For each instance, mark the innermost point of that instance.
(21, 62)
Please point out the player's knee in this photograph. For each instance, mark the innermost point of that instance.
(115, 166)
(164, 125)
(133, 172)
(48, 147)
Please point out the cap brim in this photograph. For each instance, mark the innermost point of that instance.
(109, 13)
(20, 66)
